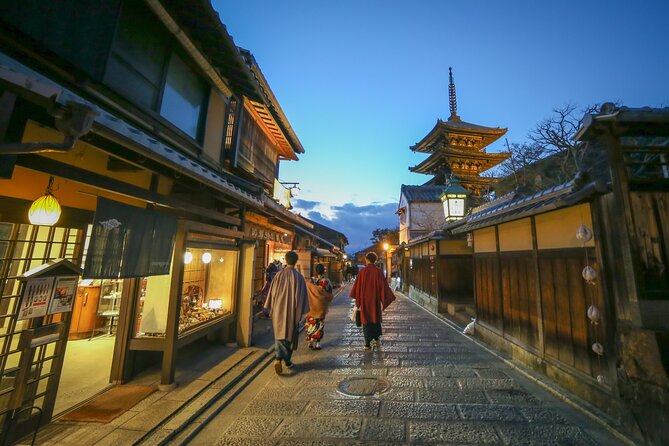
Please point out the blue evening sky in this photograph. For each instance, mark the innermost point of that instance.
(361, 81)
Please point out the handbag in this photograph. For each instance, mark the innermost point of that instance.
(355, 316)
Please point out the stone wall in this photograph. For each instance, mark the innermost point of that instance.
(423, 299)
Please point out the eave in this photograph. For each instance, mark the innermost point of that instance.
(439, 159)
(443, 128)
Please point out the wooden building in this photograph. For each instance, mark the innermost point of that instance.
(161, 141)
(572, 280)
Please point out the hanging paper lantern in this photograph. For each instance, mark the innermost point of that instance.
(589, 274)
(584, 233)
(206, 257)
(188, 257)
(598, 348)
(593, 314)
(45, 211)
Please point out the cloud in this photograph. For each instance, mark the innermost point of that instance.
(304, 205)
(355, 221)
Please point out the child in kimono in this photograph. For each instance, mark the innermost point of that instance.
(319, 290)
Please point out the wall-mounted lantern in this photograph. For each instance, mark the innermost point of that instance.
(454, 198)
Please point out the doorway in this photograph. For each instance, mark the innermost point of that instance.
(90, 346)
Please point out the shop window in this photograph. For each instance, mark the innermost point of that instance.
(208, 287)
(152, 306)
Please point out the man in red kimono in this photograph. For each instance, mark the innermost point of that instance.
(372, 295)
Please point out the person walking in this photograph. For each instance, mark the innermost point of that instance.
(372, 295)
(319, 289)
(287, 304)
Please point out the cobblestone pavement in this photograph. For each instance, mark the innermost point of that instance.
(440, 388)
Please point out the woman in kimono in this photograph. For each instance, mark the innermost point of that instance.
(372, 295)
(319, 290)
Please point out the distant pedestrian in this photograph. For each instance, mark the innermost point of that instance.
(287, 303)
(319, 289)
(372, 295)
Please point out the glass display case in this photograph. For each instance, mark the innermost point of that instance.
(152, 306)
(109, 303)
(207, 291)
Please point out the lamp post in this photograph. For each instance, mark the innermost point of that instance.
(454, 198)
(386, 246)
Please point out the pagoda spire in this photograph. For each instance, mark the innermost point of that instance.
(452, 100)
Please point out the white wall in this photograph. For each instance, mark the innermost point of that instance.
(426, 216)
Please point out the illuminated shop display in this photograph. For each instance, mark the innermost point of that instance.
(207, 288)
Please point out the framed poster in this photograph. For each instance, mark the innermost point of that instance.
(36, 295)
(63, 294)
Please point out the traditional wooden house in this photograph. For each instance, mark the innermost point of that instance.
(420, 211)
(571, 280)
(143, 145)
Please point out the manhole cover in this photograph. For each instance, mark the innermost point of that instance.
(364, 386)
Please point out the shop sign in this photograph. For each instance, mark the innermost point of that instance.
(282, 194)
(63, 294)
(260, 233)
(36, 296)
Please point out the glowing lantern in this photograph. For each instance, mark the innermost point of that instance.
(206, 257)
(45, 211)
(188, 257)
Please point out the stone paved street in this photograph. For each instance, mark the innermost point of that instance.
(438, 387)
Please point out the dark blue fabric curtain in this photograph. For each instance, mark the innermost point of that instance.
(128, 241)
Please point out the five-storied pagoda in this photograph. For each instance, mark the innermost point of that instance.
(458, 148)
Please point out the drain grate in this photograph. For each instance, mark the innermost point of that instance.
(364, 386)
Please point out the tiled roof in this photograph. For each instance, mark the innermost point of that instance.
(503, 210)
(422, 194)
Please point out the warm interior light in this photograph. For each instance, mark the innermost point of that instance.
(215, 304)
(206, 257)
(221, 260)
(188, 257)
(45, 211)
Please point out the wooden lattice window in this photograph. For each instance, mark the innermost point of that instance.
(23, 247)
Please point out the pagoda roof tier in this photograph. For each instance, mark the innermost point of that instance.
(457, 161)
(456, 132)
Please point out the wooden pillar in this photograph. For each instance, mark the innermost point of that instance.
(537, 280)
(172, 329)
(244, 305)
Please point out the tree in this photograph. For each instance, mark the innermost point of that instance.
(387, 235)
(551, 156)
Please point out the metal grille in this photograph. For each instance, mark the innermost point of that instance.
(23, 247)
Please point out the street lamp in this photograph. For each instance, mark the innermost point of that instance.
(454, 198)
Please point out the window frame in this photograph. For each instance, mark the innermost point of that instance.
(171, 49)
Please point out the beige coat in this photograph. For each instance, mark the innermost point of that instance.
(287, 302)
(319, 300)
